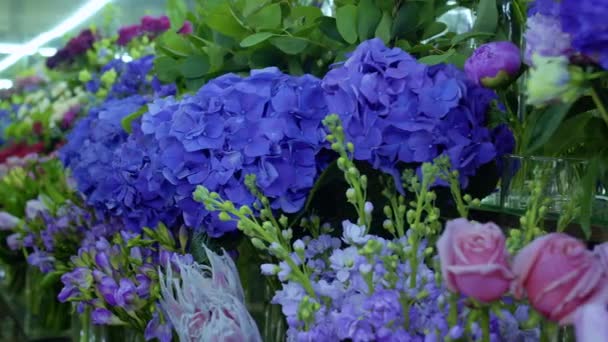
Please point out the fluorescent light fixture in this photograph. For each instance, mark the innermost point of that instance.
(47, 51)
(5, 83)
(9, 49)
(82, 14)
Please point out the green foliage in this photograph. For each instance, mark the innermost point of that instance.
(237, 36)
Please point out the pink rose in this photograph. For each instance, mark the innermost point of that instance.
(559, 275)
(474, 260)
(601, 251)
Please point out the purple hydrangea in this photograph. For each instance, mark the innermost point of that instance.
(267, 124)
(397, 110)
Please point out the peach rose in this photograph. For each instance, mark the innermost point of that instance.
(474, 260)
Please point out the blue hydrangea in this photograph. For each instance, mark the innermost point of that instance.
(115, 171)
(396, 110)
(267, 124)
(585, 21)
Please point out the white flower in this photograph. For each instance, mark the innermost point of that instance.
(206, 303)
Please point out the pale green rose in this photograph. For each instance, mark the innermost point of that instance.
(552, 79)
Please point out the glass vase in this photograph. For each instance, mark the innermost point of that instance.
(45, 317)
(259, 291)
(560, 181)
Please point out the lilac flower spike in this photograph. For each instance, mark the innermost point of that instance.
(208, 304)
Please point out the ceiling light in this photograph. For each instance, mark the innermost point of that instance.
(82, 14)
(9, 49)
(47, 52)
(5, 83)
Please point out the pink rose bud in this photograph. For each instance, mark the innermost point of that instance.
(474, 260)
(559, 275)
(186, 28)
(494, 64)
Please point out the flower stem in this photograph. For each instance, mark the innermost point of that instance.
(85, 329)
(453, 313)
(599, 104)
(485, 323)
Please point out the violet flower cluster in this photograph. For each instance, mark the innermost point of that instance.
(74, 49)
(150, 27)
(50, 237)
(116, 278)
(363, 295)
(397, 110)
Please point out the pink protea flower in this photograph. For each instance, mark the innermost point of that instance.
(206, 303)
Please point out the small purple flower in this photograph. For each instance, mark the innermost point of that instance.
(186, 28)
(101, 316)
(494, 64)
(14, 241)
(156, 329)
(353, 234)
(127, 33)
(8, 221)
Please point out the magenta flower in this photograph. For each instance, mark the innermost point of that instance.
(186, 28)
(155, 25)
(127, 33)
(494, 64)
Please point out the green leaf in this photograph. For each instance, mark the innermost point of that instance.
(255, 39)
(468, 35)
(328, 26)
(166, 68)
(250, 6)
(309, 13)
(368, 17)
(487, 16)
(289, 45)
(222, 19)
(50, 279)
(195, 66)
(406, 20)
(586, 195)
(383, 31)
(545, 125)
(127, 120)
(458, 59)
(177, 10)
(346, 21)
(436, 59)
(403, 45)
(434, 29)
(267, 18)
(569, 134)
(175, 45)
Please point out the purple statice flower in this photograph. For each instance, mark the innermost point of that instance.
(585, 22)
(127, 33)
(75, 48)
(396, 110)
(267, 124)
(155, 25)
(186, 28)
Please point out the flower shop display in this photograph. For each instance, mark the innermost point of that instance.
(312, 171)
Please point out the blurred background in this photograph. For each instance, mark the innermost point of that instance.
(23, 21)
